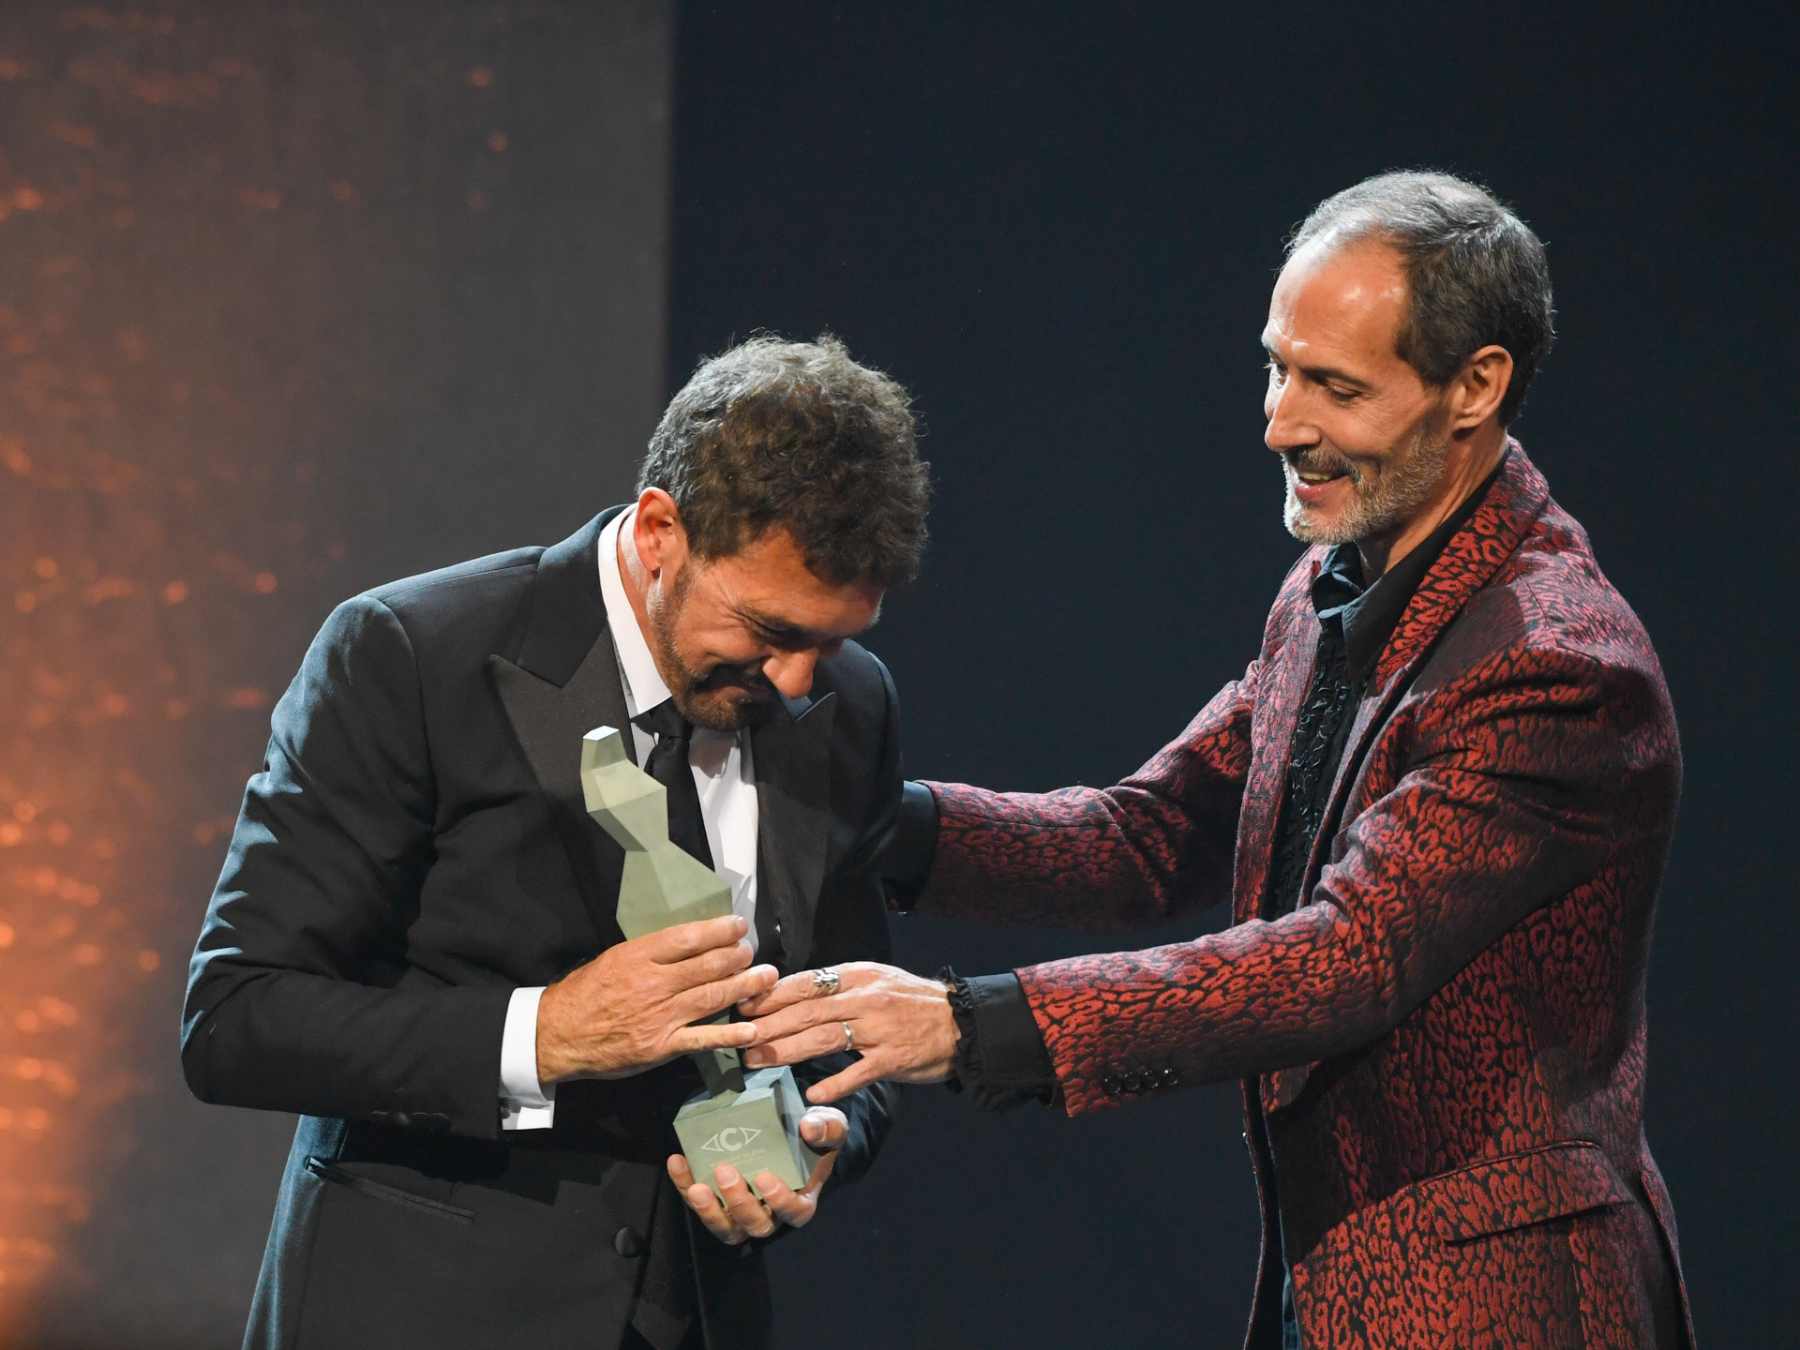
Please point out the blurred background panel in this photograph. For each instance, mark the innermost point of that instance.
(298, 298)
(294, 298)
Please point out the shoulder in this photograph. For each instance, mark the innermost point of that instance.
(1550, 618)
(856, 675)
(474, 605)
(1551, 597)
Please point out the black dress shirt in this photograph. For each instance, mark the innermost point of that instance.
(1004, 1061)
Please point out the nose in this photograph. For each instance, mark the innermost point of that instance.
(1287, 429)
(791, 672)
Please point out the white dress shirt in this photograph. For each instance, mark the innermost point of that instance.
(722, 775)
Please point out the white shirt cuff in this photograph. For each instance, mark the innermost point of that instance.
(524, 1103)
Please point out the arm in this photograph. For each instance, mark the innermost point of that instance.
(1155, 844)
(299, 994)
(1526, 774)
(304, 995)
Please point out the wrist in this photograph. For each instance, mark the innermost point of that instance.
(552, 1067)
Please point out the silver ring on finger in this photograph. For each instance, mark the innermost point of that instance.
(849, 1038)
(825, 982)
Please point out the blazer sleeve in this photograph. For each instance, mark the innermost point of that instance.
(1158, 843)
(852, 926)
(299, 994)
(1531, 768)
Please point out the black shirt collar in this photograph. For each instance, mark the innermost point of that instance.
(1367, 615)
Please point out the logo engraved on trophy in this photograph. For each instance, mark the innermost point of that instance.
(731, 1139)
(662, 885)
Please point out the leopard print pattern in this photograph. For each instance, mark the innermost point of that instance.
(1465, 984)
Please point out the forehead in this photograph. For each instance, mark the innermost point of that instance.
(1335, 302)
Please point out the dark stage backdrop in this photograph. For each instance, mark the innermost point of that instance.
(1058, 224)
(294, 298)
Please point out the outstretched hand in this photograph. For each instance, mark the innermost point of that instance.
(899, 1023)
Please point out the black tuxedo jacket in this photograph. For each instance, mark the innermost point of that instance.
(414, 848)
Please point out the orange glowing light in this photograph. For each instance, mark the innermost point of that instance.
(27, 198)
(149, 962)
(175, 592)
(86, 954)
(481, 77)
(46, 567)
(264, 583)
(497, 141)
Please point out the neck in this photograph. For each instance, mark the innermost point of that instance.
(1481, 454)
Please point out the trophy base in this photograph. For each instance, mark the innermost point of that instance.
(756, 1130)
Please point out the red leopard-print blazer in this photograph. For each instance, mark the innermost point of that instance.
(1445, 1045)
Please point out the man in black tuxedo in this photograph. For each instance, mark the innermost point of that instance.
(413, 941)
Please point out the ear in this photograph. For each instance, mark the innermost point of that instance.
(657, 532)
(1477, 390)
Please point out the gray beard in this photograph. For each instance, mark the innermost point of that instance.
(1396, 496)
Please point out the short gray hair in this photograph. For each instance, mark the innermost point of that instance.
(1475, 273)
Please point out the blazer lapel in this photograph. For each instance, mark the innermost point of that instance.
(1475, 552)
(1281, 691)
(791, 761)
(563, 683)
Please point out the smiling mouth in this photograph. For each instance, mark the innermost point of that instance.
(1319, 476)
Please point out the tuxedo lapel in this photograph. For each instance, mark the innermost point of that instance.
(791, 761)
(564, 683)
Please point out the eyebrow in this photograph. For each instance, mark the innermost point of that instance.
(1319, 373)
(782, 631)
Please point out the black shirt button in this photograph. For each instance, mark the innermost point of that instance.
(1110, 1085)
(628, 1244)
(1134, 1081)
(1168, 1077)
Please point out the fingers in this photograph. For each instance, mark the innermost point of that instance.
(793, 1208)
(818, 1012)
(715, 964)
(802, 987)
(821, 1173)
(719, 995)
(795, 1049)
(691, 1040)
(741, 1204)
(840, 1085)
(668, 946)
(704, 1203)
(787, 991)
(824, 1127)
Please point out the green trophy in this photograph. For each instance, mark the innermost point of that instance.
(750, 1120)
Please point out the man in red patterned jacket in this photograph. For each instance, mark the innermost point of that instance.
(1440, 798)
